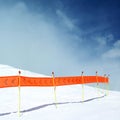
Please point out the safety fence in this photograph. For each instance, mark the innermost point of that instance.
(23, 81)
(14, 81)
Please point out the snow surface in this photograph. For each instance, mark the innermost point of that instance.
(6, 70)
(39, 103)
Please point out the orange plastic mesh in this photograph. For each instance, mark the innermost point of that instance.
(13, 81)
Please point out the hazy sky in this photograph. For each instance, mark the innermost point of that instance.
(64, 36)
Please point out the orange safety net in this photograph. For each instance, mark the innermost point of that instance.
(14, 81)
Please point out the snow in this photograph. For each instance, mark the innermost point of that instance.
(39, 102)
(6, 70)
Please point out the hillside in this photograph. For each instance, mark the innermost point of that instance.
(39, 102)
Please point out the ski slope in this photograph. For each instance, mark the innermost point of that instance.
(39, 102)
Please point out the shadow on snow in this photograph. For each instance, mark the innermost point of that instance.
(50, 104)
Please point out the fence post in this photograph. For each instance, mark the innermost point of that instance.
(19, 96)
(97, 82)
(54, 85)
(107, 85)
(82, 86)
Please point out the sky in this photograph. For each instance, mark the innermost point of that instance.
(64, 36)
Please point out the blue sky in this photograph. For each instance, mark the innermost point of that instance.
(64, 36)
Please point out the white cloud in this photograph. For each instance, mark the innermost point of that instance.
(117, 44)
(114, 52)
(31, 41)
(101, 41)
(65, 20)
(110, 37)
(104, 40)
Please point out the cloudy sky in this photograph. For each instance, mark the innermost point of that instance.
(64, 36)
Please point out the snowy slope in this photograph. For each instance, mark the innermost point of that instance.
(6, 70)
(39, 103)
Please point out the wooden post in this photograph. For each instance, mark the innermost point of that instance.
(19, 96)
(105, 89)
(82, 86)
(54, 85)
(97, 83)
(107, 85)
